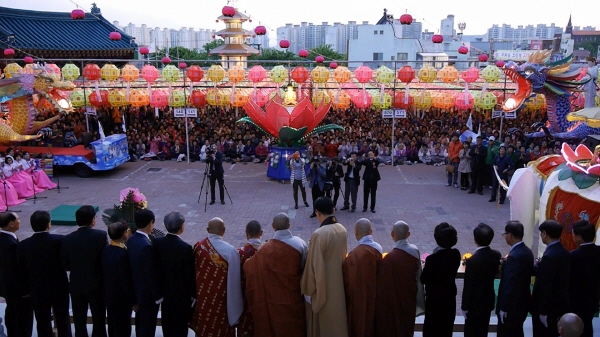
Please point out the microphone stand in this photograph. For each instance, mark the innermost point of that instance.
(6, 197)
(55, 169)
(35, 197)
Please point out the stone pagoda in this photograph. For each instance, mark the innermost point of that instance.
(234, 51)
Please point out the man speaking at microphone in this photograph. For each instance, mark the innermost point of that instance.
(215, 158)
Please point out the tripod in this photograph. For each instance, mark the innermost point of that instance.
(35, 197)
(6, 197)
(202, 187)
(55, 169)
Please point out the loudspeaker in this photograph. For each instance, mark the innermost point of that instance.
(591, 141)
(86, 137)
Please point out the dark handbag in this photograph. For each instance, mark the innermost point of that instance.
(328, 186)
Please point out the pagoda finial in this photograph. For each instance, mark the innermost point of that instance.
(569, 28)
(95, 10)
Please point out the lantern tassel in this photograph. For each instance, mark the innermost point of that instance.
(254, 92)
(299, 91)
(381, 94)
(191, 87)
(216, 95)
(337, 96)
(97, 91)
(233, 96)
(406, 94)
(170, 92)
(128, 90)
(364, 94)
(466, 94)
(149, 92)
(483, 89)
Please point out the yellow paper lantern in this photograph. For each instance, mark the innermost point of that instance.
(170, 73)
(109, 72)
(491, 73)
(239, 99)
(341, 74)
(138, 98)
(215, 73)
(342, 101)
(70, 72)
(487, 102)
(448, 74)
(129, 73)
(387, 100)
(117, 98)
(320, 74)
(12, 69)
(78, 98)
(383, 75)
(217, 97)
(177, 98)
(423, 100)
(321, 97)
(443, 100)
(427, 74)
(236, 74)
(278, 74)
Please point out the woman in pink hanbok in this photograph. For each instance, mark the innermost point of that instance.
(40, 178)
(22, 184)
(8, 192)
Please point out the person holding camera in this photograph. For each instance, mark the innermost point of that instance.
(352, 180)
(298, 177)
(317, 175)
(215, 158)
(371, 177)
(334, 173)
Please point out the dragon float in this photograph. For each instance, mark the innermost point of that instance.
(20, 124)
(557, 81)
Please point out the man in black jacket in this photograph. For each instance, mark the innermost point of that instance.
(478, 292)
(514, 295)
(176, 270)
(584, 281)
(370, 177)
(478, 154)
(81, 254)
(146, 282)
(352, 180)
(215, 161)
(503, 164)
(334, 174)
(550, 296)
(119, 295)
(39, 260)
(18, 315)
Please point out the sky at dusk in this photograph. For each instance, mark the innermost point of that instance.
(478, 15)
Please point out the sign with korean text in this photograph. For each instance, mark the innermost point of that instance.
(515, 55)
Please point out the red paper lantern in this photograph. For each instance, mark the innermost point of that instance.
(114, 36)
(499, 63)
(483, 58)
(77, 14)
(406, 74)
(91, 72)
(406, 19)
(463, 50)
(144, 50)
(103, 102)
(285, 44)
(166, 60)
(149, 73)
(358, 99)
(399, 100)
(9, 52)
(470, 75)
(260, 30)
(159, 99)
(198, 98)
(28, 59)
(228, 11)
(437, 38)
(182, 65)
(333, 65)
(195, 73)
(300, 74)
(319, 59)
(303, 53)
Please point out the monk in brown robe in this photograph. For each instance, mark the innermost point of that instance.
(219, 302)
(323, 279)
(398, 287)
(253, 233)
(360, 284)
(273, 284)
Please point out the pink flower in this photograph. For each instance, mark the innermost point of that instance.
(137, 195)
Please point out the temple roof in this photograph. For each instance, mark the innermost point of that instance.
(237, 16)
(57, 35)
(233, 32)
(234, 49)
(384, 19)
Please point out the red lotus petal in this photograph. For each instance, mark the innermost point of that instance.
(582, 152)
(277, 116)
(257, 115)
(321, 112)
(302, 115)
(568, 153)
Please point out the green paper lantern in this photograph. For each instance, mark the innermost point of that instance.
(491, 73)
(383, 75)
(170, 73)
(278, 74)
(70, 72)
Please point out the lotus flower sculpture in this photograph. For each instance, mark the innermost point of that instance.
(289, 123)
(582, 159)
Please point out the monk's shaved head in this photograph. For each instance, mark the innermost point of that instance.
(570, 325)
(216, 226)
(400, 230)
(363, 227)
(281, 221)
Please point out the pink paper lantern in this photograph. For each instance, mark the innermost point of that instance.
(363, 74)
(285, 44)
(53, 68)
(144, 50)
(77, 14)
(228, 11)
(166, 60)
(437, 38)
(406, 19)
(319, 59)
(114, 36)
(463, 50)
(28, 59)
(159, 99)
(182, 65)
(360, 102)
(499, 63)
(333, 65)
(9, 52)
(260, 30)
(150, 73)
(257, 74)
(483, 58)
(303, 53)
(470, 75)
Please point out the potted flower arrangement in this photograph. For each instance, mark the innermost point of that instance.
(465, 257)
(130, 201)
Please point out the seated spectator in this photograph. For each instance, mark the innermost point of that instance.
(194, 151)
(400, 154)
(412, 153)
(140, 149)
(438, 155)
(424, 155)
(177, 151)
(248, 152)
(261, 152)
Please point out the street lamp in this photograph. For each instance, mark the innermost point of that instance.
(461, 28)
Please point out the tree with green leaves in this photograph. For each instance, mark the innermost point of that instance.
(274, 54)
(591, 46)
(328, 53)
(212, 45)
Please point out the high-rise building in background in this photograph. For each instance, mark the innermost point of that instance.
(186, 37)
(523, 35)
(447, 26)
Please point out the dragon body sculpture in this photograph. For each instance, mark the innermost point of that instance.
(20, 125)
(557, 81)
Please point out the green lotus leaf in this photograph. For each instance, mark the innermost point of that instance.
(288, 134)
(583, 180)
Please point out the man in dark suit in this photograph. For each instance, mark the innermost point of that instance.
(478, 292)
(550, 297)
(371, 177)
(478, 154)
(18, 315)
(119, 295)
(514, 295)
(215, 161)
(39, 260)
(177, 273)
(352, 180)
(584, 281)
(144, 272)
(81, 254)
